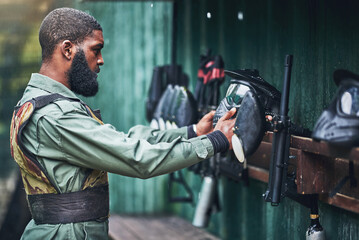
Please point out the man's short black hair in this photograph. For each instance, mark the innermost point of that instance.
(65, 24)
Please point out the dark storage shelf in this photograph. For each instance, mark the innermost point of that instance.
(319, 168)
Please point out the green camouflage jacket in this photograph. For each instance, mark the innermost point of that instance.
(68, 142)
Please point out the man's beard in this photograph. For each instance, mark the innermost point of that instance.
(82, 80)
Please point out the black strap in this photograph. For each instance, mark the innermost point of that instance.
(91, 204)
(44, 100)
(97, 113)
(38, 103)
(351, 177)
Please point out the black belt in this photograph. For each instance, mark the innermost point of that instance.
(91, 204)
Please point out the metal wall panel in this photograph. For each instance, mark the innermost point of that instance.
(322, 36)
(137, 37)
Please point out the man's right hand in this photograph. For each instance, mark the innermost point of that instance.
(225, 125)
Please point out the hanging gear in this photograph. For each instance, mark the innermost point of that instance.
(210, 77)
(339, 123)
(162, 77)
(175, 107)
(267, 94)
(154, 92)
(183, 110)
(254, 98)
(160, 114)
(249, 126)
(46, 203)
(170, 107)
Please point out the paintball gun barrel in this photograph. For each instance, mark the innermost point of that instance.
(281, 143)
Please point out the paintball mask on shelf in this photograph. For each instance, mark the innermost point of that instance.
(254, 99)
(339, 123)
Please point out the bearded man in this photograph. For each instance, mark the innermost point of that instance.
(63, 148)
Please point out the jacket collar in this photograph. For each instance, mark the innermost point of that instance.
(49, 85)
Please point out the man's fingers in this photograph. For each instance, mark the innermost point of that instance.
(210, 115)
(230, 124)
(228, 114)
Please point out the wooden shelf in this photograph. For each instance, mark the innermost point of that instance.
(319, 168)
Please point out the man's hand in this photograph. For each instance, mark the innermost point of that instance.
(205, 125)
(225, 125)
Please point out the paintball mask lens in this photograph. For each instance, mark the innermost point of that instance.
(349, 101)
(234, 97)
(235, 93)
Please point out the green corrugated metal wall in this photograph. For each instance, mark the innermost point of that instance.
(137, 38)
(322, 36)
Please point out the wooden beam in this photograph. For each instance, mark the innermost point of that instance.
(258, 173)
(319, 168)
(342, 201)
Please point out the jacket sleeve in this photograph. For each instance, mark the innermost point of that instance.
(154, 135)
(80, 140)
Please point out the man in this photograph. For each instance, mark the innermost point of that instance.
(65, 151)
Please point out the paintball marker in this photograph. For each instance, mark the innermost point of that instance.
(280, 148)
(281, 183)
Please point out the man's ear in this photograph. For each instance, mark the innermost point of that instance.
(67, 49)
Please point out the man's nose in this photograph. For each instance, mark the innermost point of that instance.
(100, 61)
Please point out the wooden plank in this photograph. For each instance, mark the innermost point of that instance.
(319, 167)
(185, 229)
(147, 228)
(154, 227)
(261, 157)
(258, 173)
(323, 148)
(314, 173)
(320, 148)
(342, 201)
(341, 167)
(119, 231)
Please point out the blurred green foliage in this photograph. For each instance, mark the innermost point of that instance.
(21, 56)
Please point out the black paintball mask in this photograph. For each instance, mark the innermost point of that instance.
(339, 123)
(255, 100)
(176, 108)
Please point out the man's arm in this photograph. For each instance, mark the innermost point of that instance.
(154, 136)
(80, 140)
(203, 127)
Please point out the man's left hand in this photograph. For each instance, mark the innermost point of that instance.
(205, 125)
